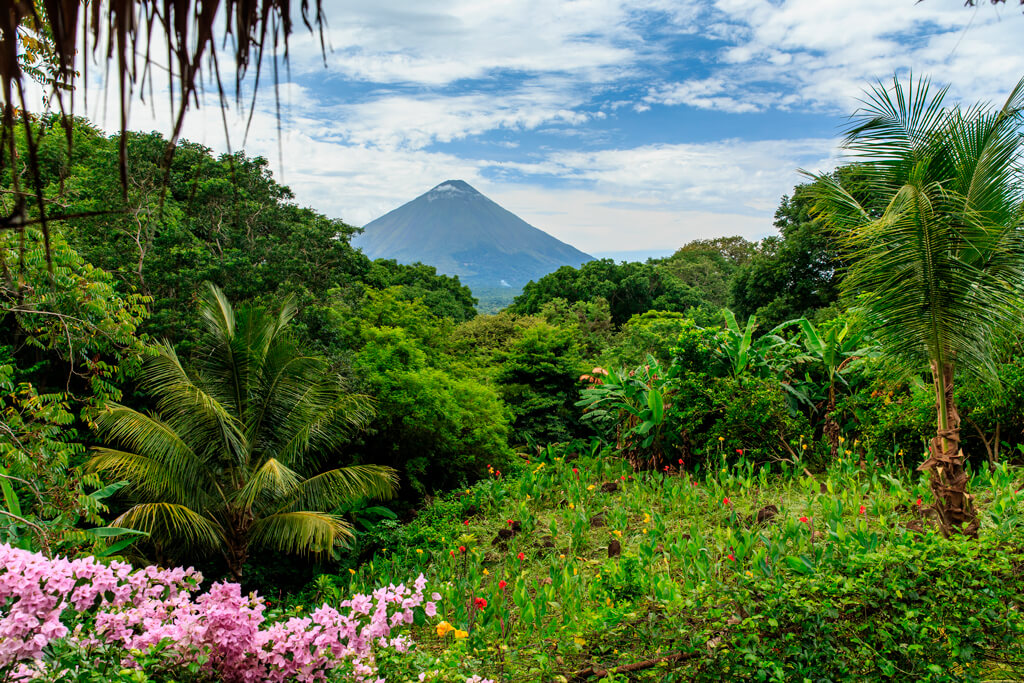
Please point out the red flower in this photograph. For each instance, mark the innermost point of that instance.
(623, 477)
(575, 471)
(510, 522)
(919, 501)
(502, 584)
(739, 451)
(863, 509)
(452, 553)
(804, 520)
(480, 603)
(732, 558)
(466, 522)
(521, 556)
(666, 468)
(680, 461)
(462, 548)
(726, 501)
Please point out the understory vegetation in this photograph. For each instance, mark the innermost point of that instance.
(792, 459)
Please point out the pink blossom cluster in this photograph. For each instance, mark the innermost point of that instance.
(41, 598)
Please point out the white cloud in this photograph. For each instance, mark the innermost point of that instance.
(818, 54)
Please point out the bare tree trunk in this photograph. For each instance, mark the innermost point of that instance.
(945, 463)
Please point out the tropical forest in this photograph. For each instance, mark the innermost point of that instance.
(236, 448)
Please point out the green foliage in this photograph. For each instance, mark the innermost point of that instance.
(933, 610)
(70, 343)
(708, 265)
(436, 422)
(229, 460)
(630, 288)
(539, 381)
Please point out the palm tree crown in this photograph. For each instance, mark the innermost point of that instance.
(222, 464)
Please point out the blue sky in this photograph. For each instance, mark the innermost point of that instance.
(614, 125)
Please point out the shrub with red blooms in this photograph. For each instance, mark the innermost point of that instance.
(83, 603)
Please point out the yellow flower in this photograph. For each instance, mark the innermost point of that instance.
(561, 557)
(351, 571)
(849, 452)
(419, 551)
(444, 628)
(467, 492)
(486, 573)
(575, 571)
(461, 634)
(805, 447)
(647, 518)
(841, 439)
(591, 487)
(645, 531)
(617, 533)
(749, 574)
(721, 438)
(572, 506)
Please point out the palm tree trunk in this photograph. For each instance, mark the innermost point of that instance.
(945, 463)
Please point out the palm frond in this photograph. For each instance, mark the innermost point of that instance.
(336, 487)
(178, 524)
(270, 482)
(195, 414)
(300, 532)
(150, 479)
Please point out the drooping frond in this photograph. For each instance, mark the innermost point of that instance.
(332, 489)
(150, 438)
(151, 479)
(301, 532)
(168, 522)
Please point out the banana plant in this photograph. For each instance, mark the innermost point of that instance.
(836, 346)
(637, 406)
(743, 353)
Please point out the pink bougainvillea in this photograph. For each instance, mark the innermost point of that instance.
(44, 600)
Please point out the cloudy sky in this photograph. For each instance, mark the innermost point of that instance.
(615, 125)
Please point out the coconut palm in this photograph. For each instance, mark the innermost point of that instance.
(223, 464)
(936, 248)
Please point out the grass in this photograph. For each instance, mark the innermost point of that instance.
(573, 566)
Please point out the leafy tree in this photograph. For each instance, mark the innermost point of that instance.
(68, 344)
(225, 463)
(708, 265)
(438, 421)
(629, 288)
(941, 269)
(539, 380)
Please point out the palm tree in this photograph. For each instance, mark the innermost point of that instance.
(222, 464)
(937, 250)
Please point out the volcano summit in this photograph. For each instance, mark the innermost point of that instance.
(461, 232)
